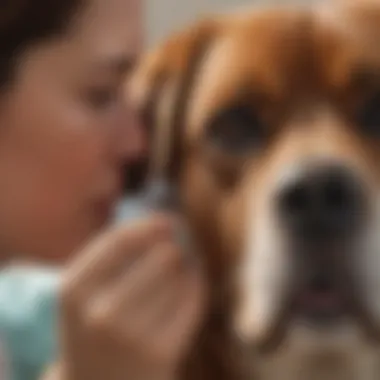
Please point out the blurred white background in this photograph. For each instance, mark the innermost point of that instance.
(165, 16)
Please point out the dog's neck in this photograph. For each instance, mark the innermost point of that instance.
(309, 366)
(220, 355)
(309, 356)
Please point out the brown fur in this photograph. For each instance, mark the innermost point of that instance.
(305, 73)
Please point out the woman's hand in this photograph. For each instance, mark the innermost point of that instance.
(131, 305)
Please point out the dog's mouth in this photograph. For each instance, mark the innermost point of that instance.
(323, 289)
(324, 296)
(318, 301)
(321, 302)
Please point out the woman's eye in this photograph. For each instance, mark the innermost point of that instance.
(102, 97)
(236, 131)
(369, 116)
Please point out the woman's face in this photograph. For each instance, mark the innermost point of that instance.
(66, 133)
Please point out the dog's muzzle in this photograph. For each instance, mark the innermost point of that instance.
(322, 211)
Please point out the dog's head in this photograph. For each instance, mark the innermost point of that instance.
(269, 124)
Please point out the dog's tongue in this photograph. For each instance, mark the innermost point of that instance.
(321, 305)
(320, 300)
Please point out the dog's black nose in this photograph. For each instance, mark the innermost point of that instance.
(323, 202)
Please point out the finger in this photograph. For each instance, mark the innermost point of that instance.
(139, 325)
(138, 287)
(186, 317)
(149, 275)
(142, 322)
(114, 250)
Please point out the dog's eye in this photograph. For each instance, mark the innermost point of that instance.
(236, 130)
(369, 117)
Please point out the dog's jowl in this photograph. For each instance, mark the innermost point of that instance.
(268, 123)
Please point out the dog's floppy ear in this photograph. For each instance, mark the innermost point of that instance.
(160, 87)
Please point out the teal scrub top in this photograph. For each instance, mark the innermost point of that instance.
(28, 312)
(28, 316)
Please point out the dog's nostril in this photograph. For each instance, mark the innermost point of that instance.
(296, 200)
(338, 194)
(322, 202)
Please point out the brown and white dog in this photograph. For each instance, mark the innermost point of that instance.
(268, 121)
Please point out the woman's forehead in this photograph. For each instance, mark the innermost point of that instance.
(108, 25)
(107, 36)
(104, 40)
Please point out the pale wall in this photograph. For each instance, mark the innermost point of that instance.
(164, 16)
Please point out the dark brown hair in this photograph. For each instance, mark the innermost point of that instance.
(25, 23)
